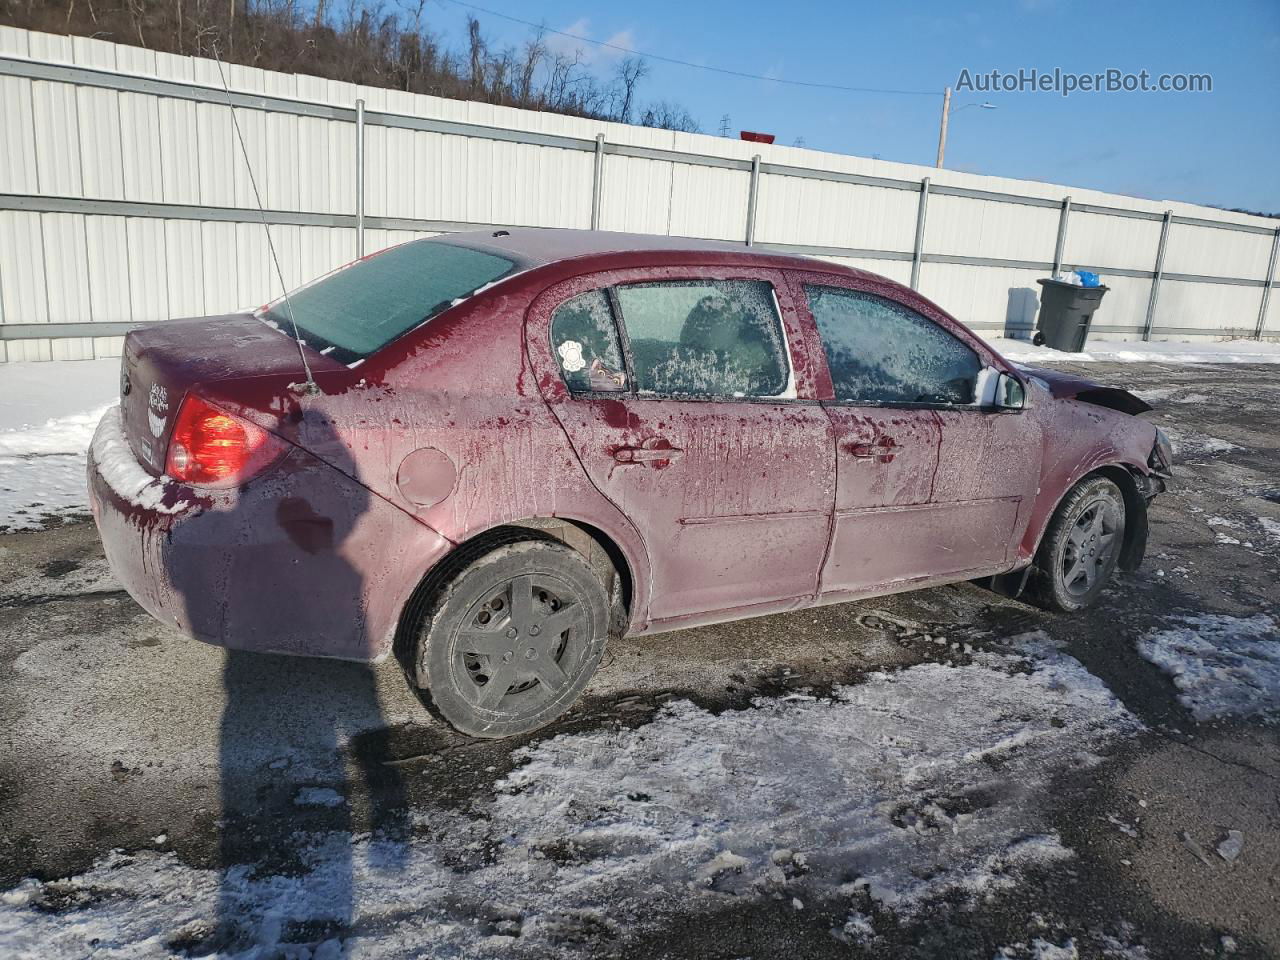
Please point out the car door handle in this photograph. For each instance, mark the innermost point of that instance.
(646, 454)
(882, 451)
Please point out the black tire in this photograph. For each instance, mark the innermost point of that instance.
(1082, 546)
(1038, 339)
(508, 642)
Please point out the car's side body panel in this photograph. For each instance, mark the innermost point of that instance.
(465, 385)
(923, 491)
(738, 514)
(465, 424)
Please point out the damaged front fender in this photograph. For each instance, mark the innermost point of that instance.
(1066, 386)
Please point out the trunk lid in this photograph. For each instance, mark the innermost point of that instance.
(163, 361)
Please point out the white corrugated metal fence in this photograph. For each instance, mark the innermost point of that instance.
(124, 198)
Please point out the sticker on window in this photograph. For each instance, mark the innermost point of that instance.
(585, 341)
(571, 356)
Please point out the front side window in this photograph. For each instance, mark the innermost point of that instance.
(585, 341)
(712, 338)
(359, 309)
(879, 351)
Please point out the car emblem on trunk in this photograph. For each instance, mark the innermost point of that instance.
(158, 410)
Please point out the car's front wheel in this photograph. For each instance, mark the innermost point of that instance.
(1081, 548)
(508, 642)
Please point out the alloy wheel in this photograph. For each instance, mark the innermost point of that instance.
(1090, 546)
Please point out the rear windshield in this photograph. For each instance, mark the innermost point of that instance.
(359, 309)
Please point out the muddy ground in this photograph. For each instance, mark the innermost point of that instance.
(121, 735)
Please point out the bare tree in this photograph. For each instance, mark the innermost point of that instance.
(477, 49)
(359, 41)
(534, 52)
(631, 70)
(668, 116)
(561, 79)
(500, 69)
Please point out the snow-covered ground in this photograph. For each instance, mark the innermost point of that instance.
(32, 394)
(48, 412)
(926, 781)
(1222, 666)
(1116, 351)
(934, 780)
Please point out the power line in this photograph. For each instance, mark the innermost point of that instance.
(695, 66)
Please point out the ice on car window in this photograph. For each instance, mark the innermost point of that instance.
(706, 338)
(364, 306)
(880, 351)
(585, 341)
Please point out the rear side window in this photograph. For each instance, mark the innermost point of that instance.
(882, 352)
(585, 340)
(361, 308)
(715, 338)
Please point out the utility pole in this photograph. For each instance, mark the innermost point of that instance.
(946, 115)
(942, 131)
(724, 125)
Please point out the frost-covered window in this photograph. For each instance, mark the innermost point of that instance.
(882, 352)
(362, 307)
(718, 338)
(585, 341)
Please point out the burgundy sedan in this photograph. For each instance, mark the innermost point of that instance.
(505, 448)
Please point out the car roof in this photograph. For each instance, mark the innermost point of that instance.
(535, 246)
(536, 250)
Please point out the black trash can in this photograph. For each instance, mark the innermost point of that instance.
(1066, 311)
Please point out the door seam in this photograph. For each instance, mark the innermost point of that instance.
(937, 455)
(835, 498)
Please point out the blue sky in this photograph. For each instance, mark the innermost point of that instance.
(1221, 147)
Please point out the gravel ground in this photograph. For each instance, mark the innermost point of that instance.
(121, 736)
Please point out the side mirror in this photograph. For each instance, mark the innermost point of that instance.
(1010, 393)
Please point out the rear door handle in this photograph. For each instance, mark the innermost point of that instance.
(882, 451)
(646, 454)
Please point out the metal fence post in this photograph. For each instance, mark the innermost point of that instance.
(1266, 286)
(359, 178)
(917, 254)
(753, 191)
(1061, 244)
(597, 181)
(1155, 281)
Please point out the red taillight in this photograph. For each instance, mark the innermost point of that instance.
(212, 448)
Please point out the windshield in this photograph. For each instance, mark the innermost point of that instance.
(355, 311)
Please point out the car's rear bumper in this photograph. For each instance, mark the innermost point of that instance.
(301, 560)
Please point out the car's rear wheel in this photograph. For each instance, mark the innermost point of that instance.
(510, 640)
(1081, 548)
